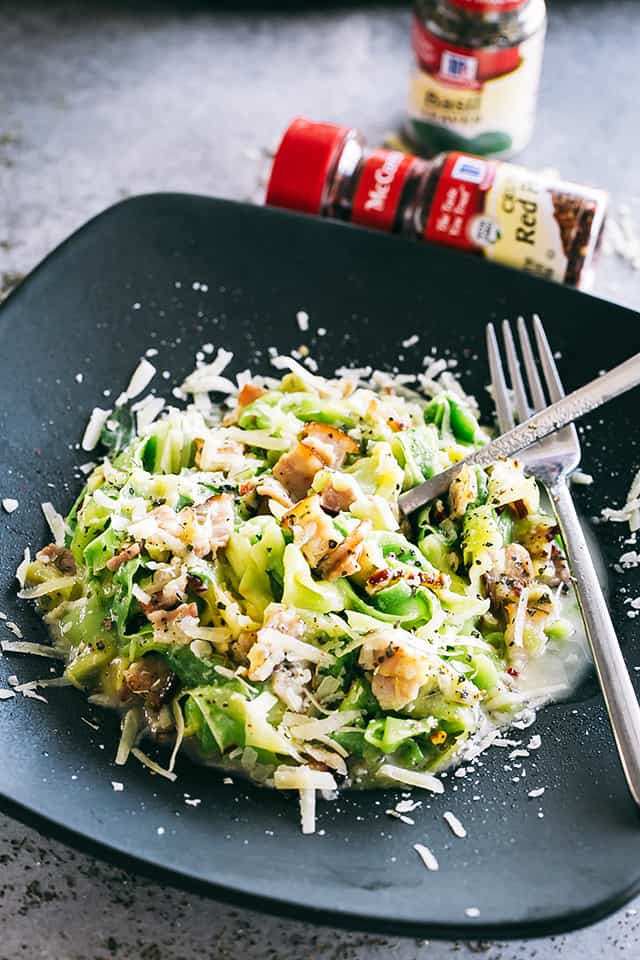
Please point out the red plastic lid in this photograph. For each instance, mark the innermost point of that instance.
(489, 6)
(301, 164)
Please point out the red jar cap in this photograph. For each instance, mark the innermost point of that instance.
(301, 165)
(489, 6)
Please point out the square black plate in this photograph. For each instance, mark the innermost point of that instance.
(125, 282)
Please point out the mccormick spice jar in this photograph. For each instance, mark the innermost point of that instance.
(487, 208)
(474, 84)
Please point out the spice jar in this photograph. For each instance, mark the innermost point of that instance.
(487, 208)
(474, 84)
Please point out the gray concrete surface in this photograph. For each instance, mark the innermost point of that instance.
(102, 100)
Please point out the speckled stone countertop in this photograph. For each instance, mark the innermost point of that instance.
(100, 101)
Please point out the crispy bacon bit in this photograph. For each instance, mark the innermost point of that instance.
(151, 677)
(517, 562)
(296, 469)
(339, 493)
(218, 452)
(216, 516)
(59, 556)
(195, 584)
(396, 425)
(436, 581)
(163, 618)
(127, 553)
(513, 672)
(559, 569)
(249, 393)
(167, 624)
(538, 536)
(272, 489)
(267, 652)
(321, 445)
(520, 509)
(330, 444)
(312, 529)
(343, 560)
(398, 673)
(168, 596)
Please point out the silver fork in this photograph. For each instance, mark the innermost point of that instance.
(551, 461)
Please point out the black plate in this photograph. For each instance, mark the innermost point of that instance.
(125, 283)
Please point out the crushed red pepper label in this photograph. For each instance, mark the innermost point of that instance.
(499, 211)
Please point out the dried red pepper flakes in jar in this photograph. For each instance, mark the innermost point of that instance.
(488, 208)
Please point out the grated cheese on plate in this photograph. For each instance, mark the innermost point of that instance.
(454, 824)
(427, 857)
(94, 428)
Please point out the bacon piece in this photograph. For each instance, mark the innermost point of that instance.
(152, 678)
(216, 515)
(59, 556)
(328, 443)
(321, 445)
(340, 492)
(249, 393)
(127, 553)
(343, 560)
(267, 486)
(312, 529)
(296, 469)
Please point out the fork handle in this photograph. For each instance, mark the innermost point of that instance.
(615, 682)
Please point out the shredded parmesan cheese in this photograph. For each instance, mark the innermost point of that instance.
(128, 737)
(140, 378)
(536, 793)
(94, 428)
(426, 781)
(56, 523)
(25, 646)
(426, 856)
(152, 765)
(454, 825)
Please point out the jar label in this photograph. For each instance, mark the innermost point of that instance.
(513, 216)
(480, 100)
(379, 190)
(489, 6)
